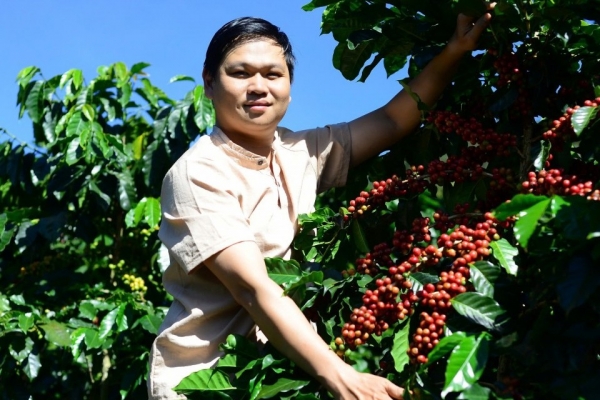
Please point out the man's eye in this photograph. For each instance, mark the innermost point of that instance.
(240, 74)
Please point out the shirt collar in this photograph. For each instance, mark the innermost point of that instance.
(239, 154)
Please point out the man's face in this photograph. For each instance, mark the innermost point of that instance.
(251, 90)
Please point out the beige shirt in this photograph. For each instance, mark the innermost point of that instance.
(218, 194)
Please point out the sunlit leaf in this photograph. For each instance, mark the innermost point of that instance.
(204, 380)
(528, 220)
(281, 386)
(34, 102)
(178, 78)
(505, 253)
(107, 323)
(518, 203)
(151, 323)
(32, 365)
(57, 333)
(582, 117)
(400, 347)
(152, 211)
(480, 309)
(484, 275)
(445, 346)
(466, 363)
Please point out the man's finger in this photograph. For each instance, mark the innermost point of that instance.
(481, 24)
(394, 391)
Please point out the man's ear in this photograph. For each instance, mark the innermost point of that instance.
(208, 81)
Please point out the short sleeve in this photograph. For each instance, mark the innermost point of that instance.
(332, 146)
(200, 216)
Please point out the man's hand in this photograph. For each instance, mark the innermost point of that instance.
(467, 32)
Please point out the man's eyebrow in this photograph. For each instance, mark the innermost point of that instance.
(246, 64)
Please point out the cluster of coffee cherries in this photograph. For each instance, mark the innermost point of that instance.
(510, 72)
(471, 130)
(556, 181)
(393, 298)
(561, 129)
(507, 66)
(386, 190)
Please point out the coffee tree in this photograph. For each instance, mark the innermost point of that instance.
(463, 263)
(80, 261)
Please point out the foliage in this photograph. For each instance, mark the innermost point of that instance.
(463, 263)
(80, 262)
(472, 245)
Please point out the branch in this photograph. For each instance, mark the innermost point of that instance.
(24, 144)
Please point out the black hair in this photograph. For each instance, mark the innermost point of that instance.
(240, 31)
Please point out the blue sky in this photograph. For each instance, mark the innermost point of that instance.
(172, 36)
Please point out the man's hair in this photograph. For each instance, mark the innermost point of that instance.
(241, 31)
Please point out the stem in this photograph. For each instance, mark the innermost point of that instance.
(106, 365)
(87, 361)
(465, 215)
(24, 144)
(526, 151)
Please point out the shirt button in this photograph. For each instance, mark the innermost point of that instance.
(260, 162)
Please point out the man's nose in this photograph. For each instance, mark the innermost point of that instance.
(257, 84)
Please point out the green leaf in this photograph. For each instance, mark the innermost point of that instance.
(138, 67)
(400, 347)
(121, 319)
(107, 323)
(318, 3)
(77, 337)
(350, 62)
(205, 113)
(581, 280)
(35, 101)
(358, 237)
(20, 348)
(152, 211)
(87, 310)
(484, 275)
(5, 237)
(301, 281)
(466, 363)
(420, 279)
(542, 155)
(281, 386)
(92, 338)
(582, 117)
(126, 189)
(204, 380)
(178, 78)
(18, 299)
(480, 309)
(151, 323)
(476, 392)
(76, 124)
(445, 346)
(26, 321)
(120, 70)
(24, 76)
(57, 333)
(89, 112)
(138, 146)
(518, 203)
(505, 253)
(32, 366)
(134, 216)
(528, 221)
(283, 271)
